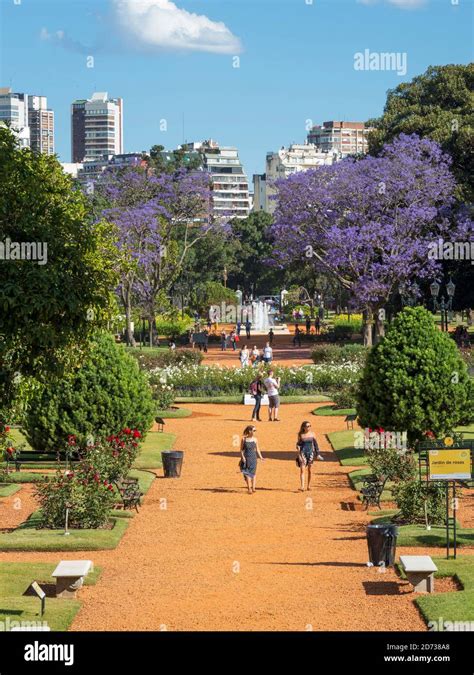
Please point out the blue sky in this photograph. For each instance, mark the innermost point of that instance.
(173, 59)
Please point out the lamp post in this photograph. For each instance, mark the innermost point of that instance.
(450, 289)
(445, 306)
(434, 290)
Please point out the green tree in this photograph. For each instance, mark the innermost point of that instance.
(415, 380)
(256, 252)
(170, 161)
(47, 308)
(103, 396)
(438, 104)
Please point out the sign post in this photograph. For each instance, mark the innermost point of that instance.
(40, 593)
(446, 462)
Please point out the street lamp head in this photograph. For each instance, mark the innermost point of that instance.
(434, 289)
(450, 287)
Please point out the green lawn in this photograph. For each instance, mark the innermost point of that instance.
(418, 535)
(26, 476)
(455, 606)
(331, 411)
(151, 449)
(174, 414)
(343, 445)
(15, 578)
(27, 538)
(9, 489)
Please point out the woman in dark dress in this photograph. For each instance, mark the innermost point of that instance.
(306, 448)
(250, 453)
(256, 389)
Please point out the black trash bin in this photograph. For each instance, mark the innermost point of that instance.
(172, 463)
(382, 543)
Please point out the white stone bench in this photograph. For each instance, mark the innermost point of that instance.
(69, 575)
(249, 399)
(419, 570)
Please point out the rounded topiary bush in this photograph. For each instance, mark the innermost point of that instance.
(107, 393)
(415, 380)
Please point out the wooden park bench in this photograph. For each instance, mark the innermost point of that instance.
(69, 575)
(371, 490)
(419, 570)
(129, 491)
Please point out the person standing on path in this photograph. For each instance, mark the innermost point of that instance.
(272, 386)
(233, 340)
(250, 453)
(244, 357)
(248, 326)
(317, 325)
(271, 335)
(223, 341)
(267, 353)
(306, 448)
(256, 390)
(308, 326)
(255, 355)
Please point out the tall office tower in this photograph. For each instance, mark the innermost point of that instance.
(230, 186)
(41, 121)
(345, 138)
(96, 128)
(14, 112)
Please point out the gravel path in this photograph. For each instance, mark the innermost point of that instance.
(217, 558)
(202, 554)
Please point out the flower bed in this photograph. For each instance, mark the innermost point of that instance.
(214, 380)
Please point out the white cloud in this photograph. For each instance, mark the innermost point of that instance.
(161, 24)
(402, 4)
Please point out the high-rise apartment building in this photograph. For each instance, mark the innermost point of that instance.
(41, 122)
(345, 138)
(230, 187)
(281, 164)
(30, 119)
(96, 127)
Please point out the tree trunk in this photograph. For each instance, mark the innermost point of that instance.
(368, 324)
(150, 326)
(128, 318)
(379, 330)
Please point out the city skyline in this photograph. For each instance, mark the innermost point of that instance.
(251, 77)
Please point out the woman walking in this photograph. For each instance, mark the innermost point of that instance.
(256, 390)
(250, 453)
(306, 448)
(244, 357)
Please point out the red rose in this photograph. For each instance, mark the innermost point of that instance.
(136, 434)
(71, 440)
(127, 431)
(7, 429)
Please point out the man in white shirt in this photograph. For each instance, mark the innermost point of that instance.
(272, 386)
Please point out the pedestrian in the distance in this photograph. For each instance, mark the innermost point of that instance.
(249, 453)
(223, 341)
(267, 353)
(233, 340)
(256, 390)
(238, 327)
(306, 450)
(248, 326)
(271, 335)
(255, 355)
(317, 325)
(272, 386)
(308, 326)
(244, 356)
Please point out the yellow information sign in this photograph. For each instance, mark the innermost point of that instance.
(450, 464)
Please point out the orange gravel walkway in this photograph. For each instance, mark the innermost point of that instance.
(202, 554)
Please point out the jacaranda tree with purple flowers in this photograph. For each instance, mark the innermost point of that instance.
(158, 219)
(369, 222)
